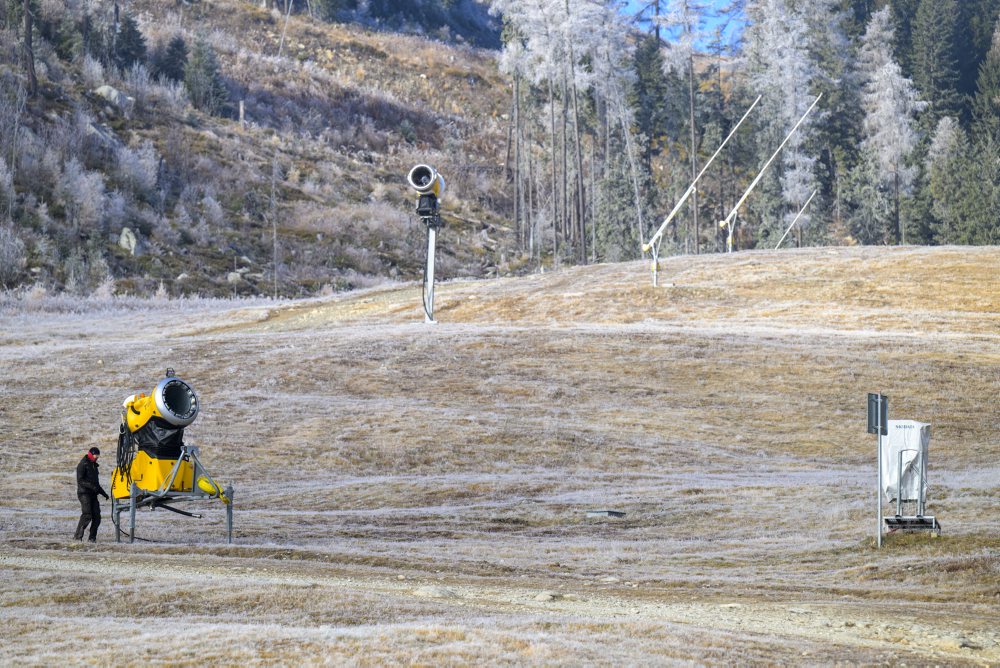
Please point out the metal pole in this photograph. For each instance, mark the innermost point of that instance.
(652, 240)
(429, 279)
(899, 484)
(797, 216)
(878, 535)
(116, 518)
(229, 515)
(753, 184)
(656, 264)
(131, 514)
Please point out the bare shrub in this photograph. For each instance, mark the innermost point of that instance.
(82, 195)
(115, 211)
(105, 289)
(137, 169)
(170, 96)
(212, 211)
(223, 42)
(12, 255)
(7, 197)
(29, 165)
(136, 80)
(87, 271)
(92, 71)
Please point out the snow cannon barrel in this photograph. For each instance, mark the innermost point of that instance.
(429, 185)
(172, 400)
(426, 180)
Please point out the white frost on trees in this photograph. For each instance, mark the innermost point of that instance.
(781, 68)
(683, 21)
(890, 104)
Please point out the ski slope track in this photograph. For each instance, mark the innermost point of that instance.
(411, 493)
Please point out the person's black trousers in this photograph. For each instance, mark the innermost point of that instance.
(90, 514)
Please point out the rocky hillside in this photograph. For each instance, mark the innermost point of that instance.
(121, 175)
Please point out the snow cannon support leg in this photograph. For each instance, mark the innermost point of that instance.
(229, 514)
(133, 493)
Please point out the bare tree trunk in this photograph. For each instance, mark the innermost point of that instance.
(722, 114)
(638, 227)
(900, 234)
(580, 205)
(555, 190)
(568, 228)
(578, 199)
(531, 196)
(656, 22)
(510, 139)
(694, 154)
(274, 222)
(288, 14)
(20, 101)
(593, 199)
(517, 160)
(29, 50)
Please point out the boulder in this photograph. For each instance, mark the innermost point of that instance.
(130, 241)
(115, 97)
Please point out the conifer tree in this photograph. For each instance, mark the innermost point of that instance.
(649, 96)
(977, 20)
(781, 68)
(203, 80)
(986, 105)
(890, 103)
(946, 155)
(978, 201)
(934, 64)
(130, 47)
(903, 16)
(169, 63)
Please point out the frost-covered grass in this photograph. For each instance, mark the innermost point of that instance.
(404, 492)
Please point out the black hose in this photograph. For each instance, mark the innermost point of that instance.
(125, 454)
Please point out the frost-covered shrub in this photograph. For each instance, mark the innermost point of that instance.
(86, 271)
(170, 96)
(212, 211)
(93, 71)
(137, 168)
(12, 255)
(82, 195)
(7, 198)
(115, 211)
(136, 80)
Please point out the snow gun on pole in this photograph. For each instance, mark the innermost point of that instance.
(730, 220)
(653, 245)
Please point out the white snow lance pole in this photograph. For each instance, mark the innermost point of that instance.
(653, 245)
(730, 220)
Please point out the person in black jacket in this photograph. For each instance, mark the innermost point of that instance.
(88, 486)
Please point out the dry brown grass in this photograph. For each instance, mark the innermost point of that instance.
(405, 491)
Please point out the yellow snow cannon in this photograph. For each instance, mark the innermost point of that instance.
(154, 467)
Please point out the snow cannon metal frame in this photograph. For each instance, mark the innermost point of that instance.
(154, 467)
